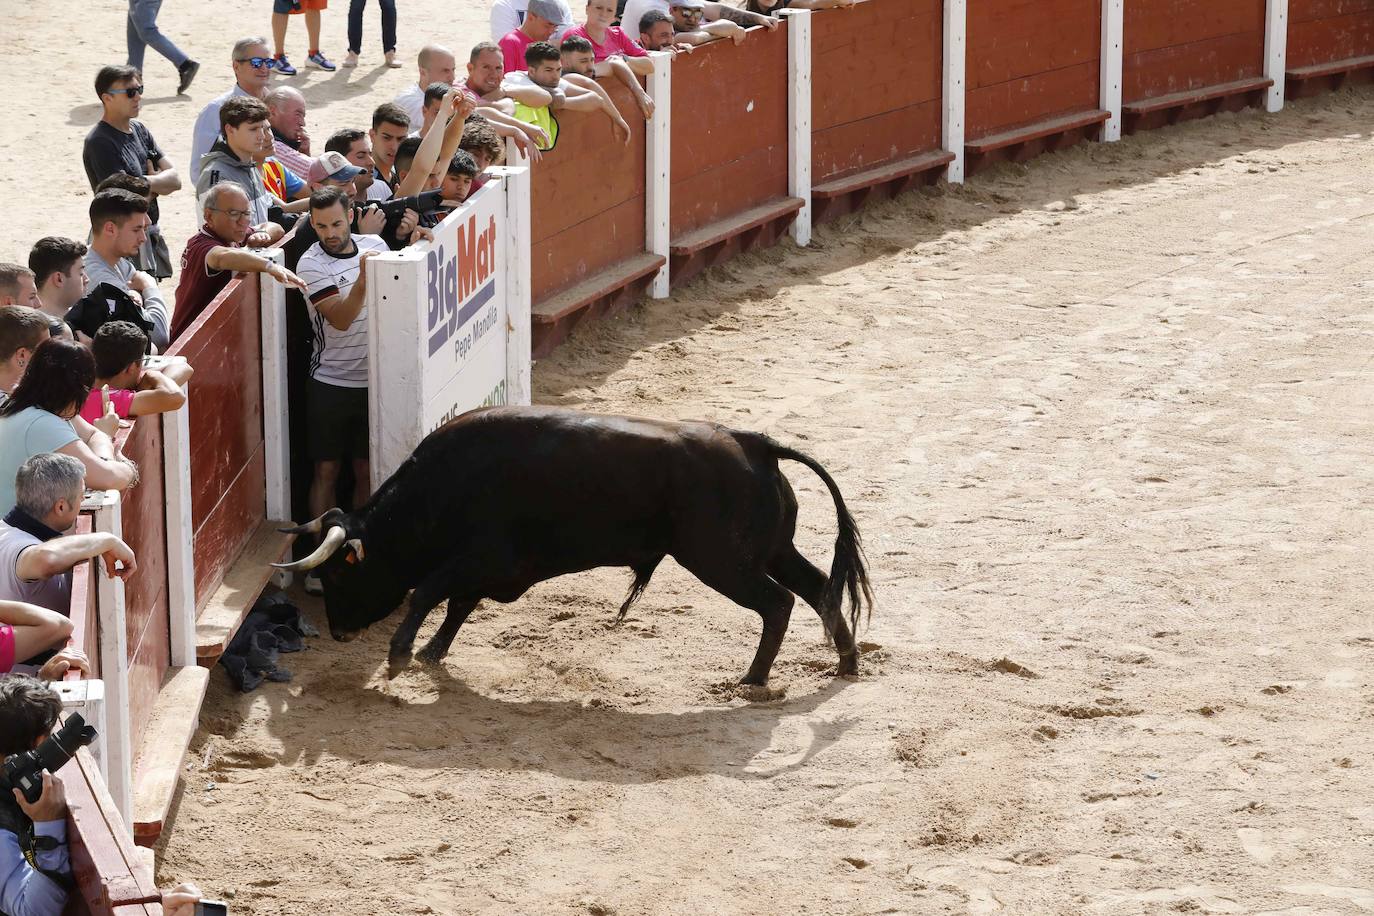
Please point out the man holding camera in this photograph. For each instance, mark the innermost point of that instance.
(35, 873)
(35, 870)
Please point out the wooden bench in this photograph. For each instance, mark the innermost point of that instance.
(1196, 96)
(848, 193)
(553, 319)
(157, 767)
(1309, 80)
(1193, 103)
(694, 251)
(1021, 143)
(242, 585)
(1038, 131)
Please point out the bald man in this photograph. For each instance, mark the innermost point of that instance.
(437, 65)
(290, 142)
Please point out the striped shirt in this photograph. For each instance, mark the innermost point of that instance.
(339, 357)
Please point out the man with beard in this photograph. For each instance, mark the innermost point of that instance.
(215, 253)
(336, 399)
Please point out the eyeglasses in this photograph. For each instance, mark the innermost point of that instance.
(132, 92)
(233, 214)
(258, 62)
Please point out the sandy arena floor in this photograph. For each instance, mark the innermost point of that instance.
(1105, 422)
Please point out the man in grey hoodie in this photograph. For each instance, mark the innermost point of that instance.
(245, 140)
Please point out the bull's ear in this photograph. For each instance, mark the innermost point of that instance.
(355, 551)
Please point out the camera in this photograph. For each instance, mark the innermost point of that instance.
(212, 908)
(25, 771)
(423, 202)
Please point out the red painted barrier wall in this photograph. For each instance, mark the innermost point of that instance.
(587, 198)
(146, 617)
(1176, 45)
(729, 147)
(228, 475)
(1029, 61)
(877, 75)
(1323, 31)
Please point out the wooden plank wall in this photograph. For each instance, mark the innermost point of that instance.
(146, 617)
(877, 76)
(587, 200)
(228, 474)
(729, 147)
(1176, 45)
(105, 862)
(1322, 31)
(1031, 60)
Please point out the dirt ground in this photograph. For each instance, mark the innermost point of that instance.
(1105, 422)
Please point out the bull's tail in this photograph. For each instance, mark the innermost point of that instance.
(848, 571)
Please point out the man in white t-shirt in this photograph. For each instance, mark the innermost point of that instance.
(713, 12)
(336, 400)
(508, 15)
(437, 65)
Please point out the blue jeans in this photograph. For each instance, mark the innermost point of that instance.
(355, 25)
(142, 33)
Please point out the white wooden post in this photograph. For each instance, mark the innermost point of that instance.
(276, 411)
(1275, 52)
(181, 568)
(114, 663)
(87, 696)
(518, 292)
(799, 119)
(658, 141)
(956, 31)
(1112, 61)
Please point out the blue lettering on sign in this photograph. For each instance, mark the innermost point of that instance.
(447, 290)
(460, 317)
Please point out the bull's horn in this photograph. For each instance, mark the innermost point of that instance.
(313, 527)
(332, 539)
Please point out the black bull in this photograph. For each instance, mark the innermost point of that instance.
(502, 498)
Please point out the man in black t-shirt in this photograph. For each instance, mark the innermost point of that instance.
(120, 144)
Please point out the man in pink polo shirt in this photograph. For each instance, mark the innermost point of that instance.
(542, 19)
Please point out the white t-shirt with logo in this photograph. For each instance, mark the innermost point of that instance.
(340, 357)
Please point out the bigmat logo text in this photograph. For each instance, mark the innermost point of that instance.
(461, 282)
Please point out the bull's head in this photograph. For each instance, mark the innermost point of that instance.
(357, 593)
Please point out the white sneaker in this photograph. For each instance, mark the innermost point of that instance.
(313, 585)
(350, 60)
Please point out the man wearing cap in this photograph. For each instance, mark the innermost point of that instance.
(542, 22)
(508, 15)
(218, 250)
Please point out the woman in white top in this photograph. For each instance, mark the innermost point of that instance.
(41, 416)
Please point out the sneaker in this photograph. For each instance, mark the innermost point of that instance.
(284, 66)
(313, 585)
(321, 61)
(350, 59)
(188, 71)
(391, 60)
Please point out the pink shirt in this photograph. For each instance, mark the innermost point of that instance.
(513, 50)
(121, 400)
(617, 42)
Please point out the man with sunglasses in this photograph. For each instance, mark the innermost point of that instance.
(118, 143)
(253, 65)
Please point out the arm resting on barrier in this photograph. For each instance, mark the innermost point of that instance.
(51, 558)
(718, 11)
(624, 70)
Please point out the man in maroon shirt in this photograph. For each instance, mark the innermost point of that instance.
(218, 251)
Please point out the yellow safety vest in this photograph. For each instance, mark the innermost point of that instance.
(542, 118)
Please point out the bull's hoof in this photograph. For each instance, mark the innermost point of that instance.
(849, 666)
(430, 655)
(395, 664)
